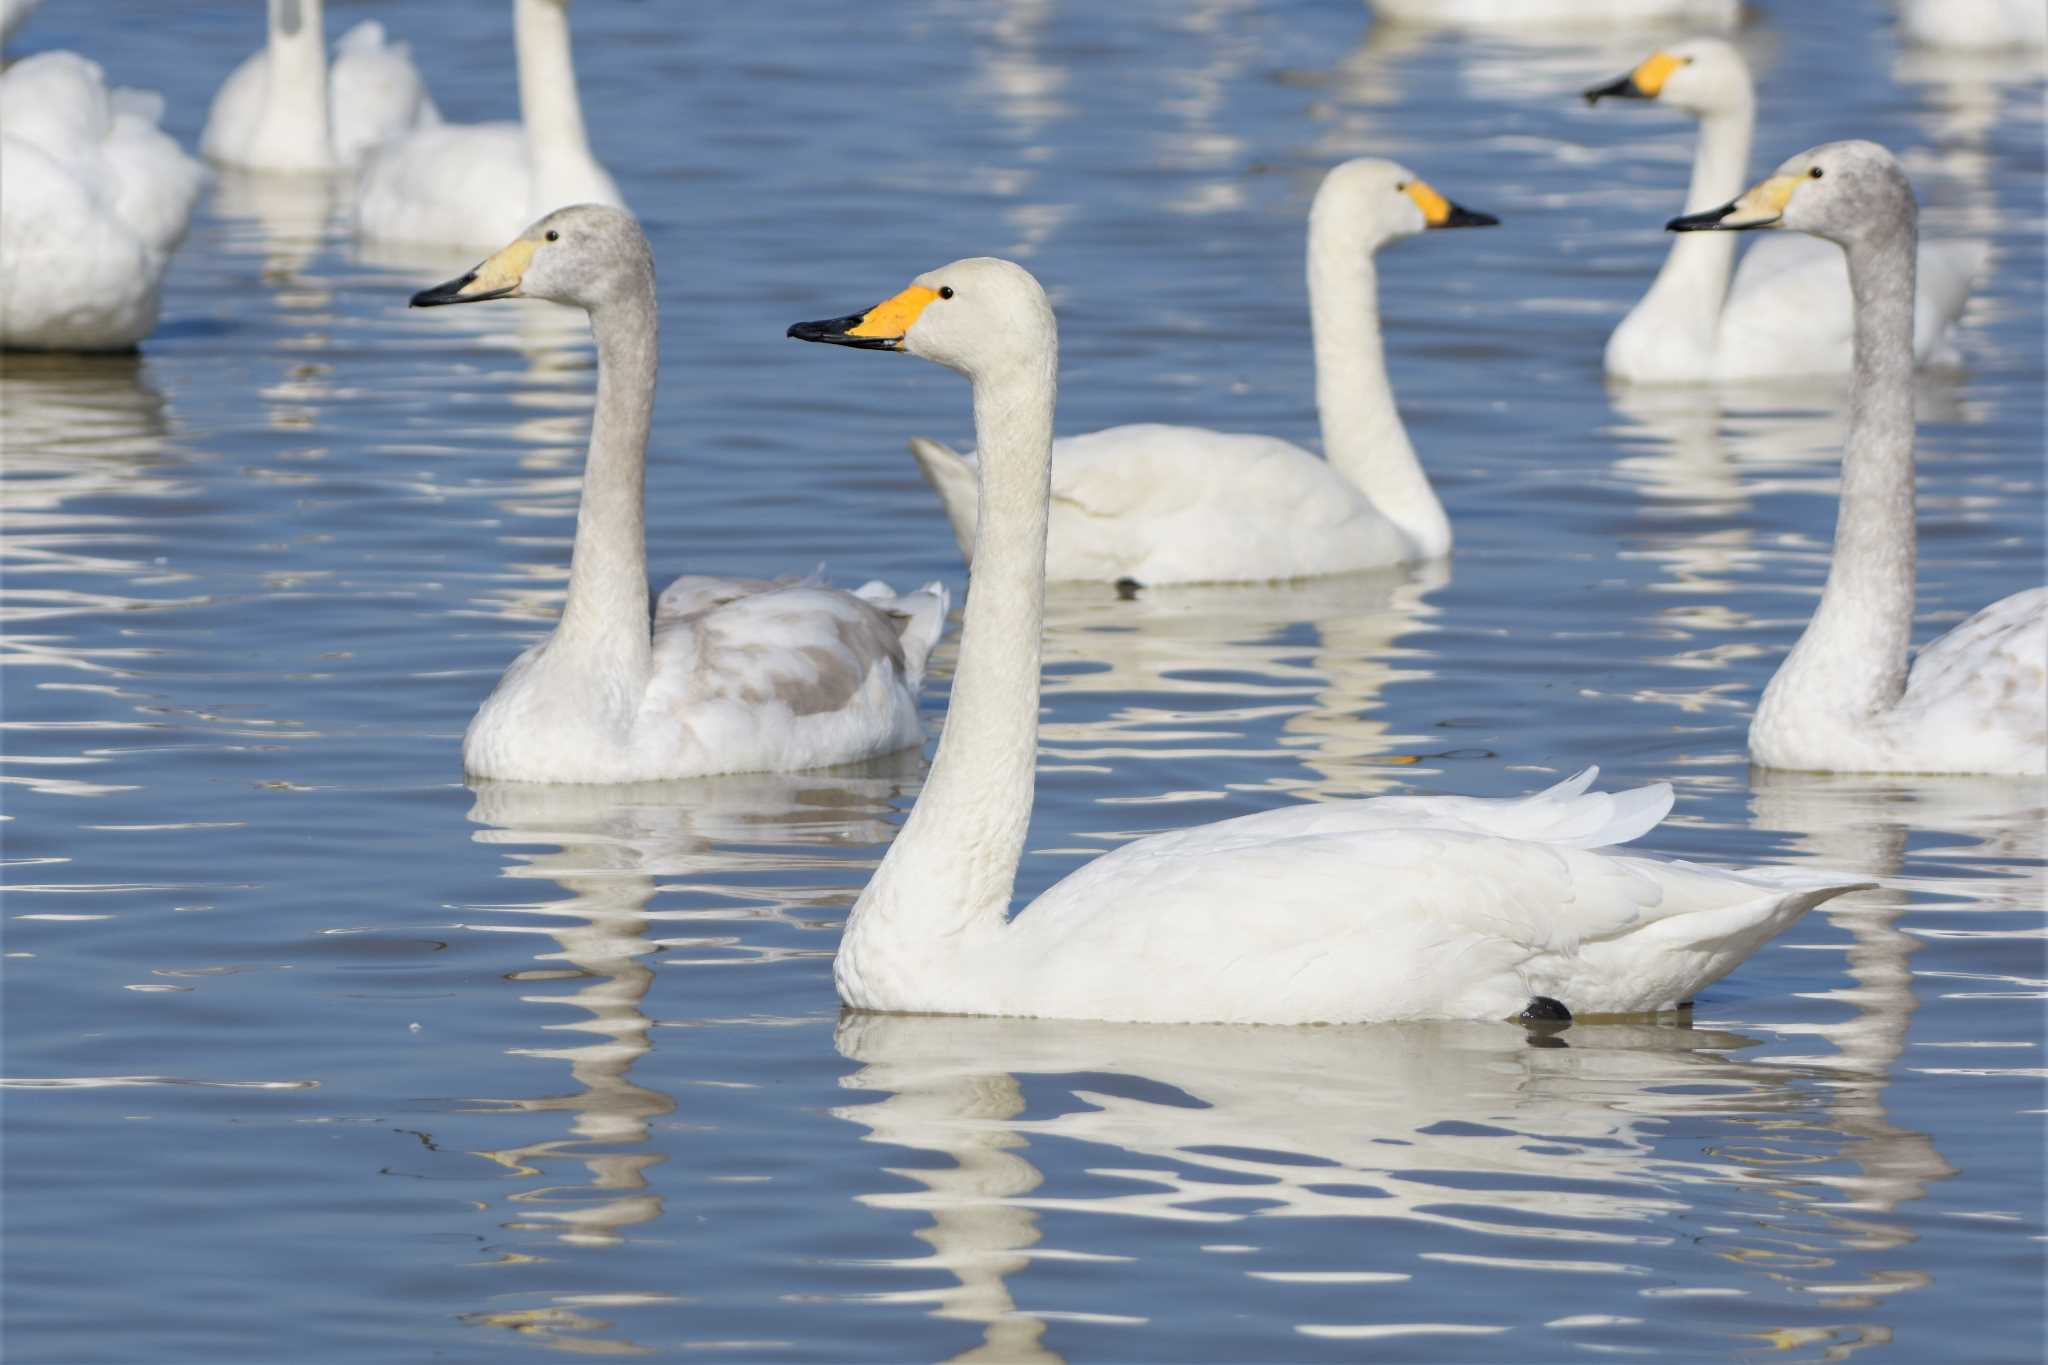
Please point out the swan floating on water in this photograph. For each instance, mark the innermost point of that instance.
(1845, 700)
(1787, 310)
(1399, 907)
(1512, 14)
(477, 184)
(1157, 504)
(94, 199)
(735, 675)
(1975, 25)
(286, 109)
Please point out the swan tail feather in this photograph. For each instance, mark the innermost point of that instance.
(954, 479)
(919, 618)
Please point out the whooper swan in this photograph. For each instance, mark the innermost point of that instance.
(285, 109)
(94, 198)
(1155, 504)
(476, 184)
(1976, 699)
(734, 675)
(1397, 907)
(1787, 310)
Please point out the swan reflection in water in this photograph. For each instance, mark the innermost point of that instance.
(1291, 673)
(762, 844)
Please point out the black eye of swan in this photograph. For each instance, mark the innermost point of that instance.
(945, 291)
(554, 236)
(1815, 172)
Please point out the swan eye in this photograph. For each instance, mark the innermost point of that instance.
(554, 236)
(1815, 172)
(945, 291)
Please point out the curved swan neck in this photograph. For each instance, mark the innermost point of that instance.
(548, 103)
(1362, 432)
(607, 613)
(1852, 658)
(1692, 286)
(953, 867)
(295, 104)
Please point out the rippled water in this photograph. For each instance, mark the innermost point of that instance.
(316, 1053)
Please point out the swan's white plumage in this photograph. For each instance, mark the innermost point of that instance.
(1975, 25)
(94, 198)
(1785, 310)
(1845, 699)
(1394, 908)
(1164, 504)
(729, 675)
(479, 184)
(374, 93)
(1481, 14)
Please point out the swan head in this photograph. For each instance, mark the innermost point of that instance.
(1372, 202)
(587, 255)
(1843, 191)
(1699, 75)
(980, 316)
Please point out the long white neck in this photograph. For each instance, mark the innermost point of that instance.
(952, 869)
(548, 102)
(605, 622)
(295, 113)
(1851, 662)
(1690, 289)
(1362, 432)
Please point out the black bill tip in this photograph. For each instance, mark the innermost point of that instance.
(836, 332)
(1706, 220)
(1460, 216)
(450, 291)
(1623, 88)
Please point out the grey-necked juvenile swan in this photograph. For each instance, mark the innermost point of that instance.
(1976, 699)
(731, 675)
(1403, 907)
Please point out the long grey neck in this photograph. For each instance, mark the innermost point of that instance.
(1852, 657)
(954, 866)
(1362, 432)
(1692, 285)
(606, 617)
(297, 97)
(548, 103)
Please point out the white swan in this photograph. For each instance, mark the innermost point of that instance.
(474, 184)
(1485, 14)
(1164, 504)
(1975, 25)
(735, 675)
(94, 198)
(1392, 908)
(1787, 310)
(1976, 699)
(285, 109)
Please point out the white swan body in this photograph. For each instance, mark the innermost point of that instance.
(1786, 311)
(1485, 14)
(1392, 908)
(480, 183)
(287, 109)
(1976, 699)
(732, 675)
(94, 198)
(1168, 504)
(1975, 25)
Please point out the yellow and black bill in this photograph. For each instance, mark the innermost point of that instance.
(1760, 207)
(497, 278)
(1646, 82)
(880, 328)
(1439, 212)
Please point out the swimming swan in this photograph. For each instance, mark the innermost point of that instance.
(1399, 907)
(736, 675)
(1844, 700)
(1511, 14)
(1975, 25)
(1163, 504)
(94, 198)
(1787, 310)
(285, 109)
(476, 184)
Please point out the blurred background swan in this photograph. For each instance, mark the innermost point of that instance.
(1513, 14)
(477, 184)
(94, 198)
(286, 109)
